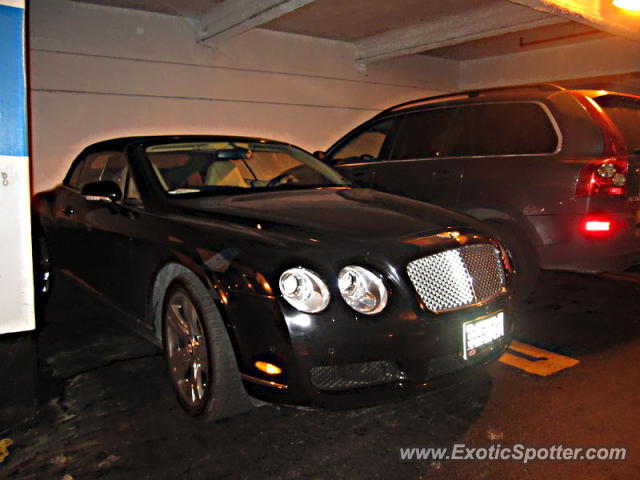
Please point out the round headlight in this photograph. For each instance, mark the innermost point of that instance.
(304, 290)
(363, 290)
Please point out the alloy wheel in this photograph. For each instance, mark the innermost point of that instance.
(187, 351)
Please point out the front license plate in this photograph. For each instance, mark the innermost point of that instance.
(480, 332)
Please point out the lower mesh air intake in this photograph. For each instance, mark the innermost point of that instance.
(354, 375)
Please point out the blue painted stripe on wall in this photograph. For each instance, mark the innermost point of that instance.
(13, 117)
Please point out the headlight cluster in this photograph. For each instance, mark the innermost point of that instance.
(362, 289)
(304, 289)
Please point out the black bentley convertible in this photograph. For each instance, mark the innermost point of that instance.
(264, 273)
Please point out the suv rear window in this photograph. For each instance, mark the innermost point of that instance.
(625, 113)
(516, 128)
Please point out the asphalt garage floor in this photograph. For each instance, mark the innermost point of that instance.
(107, 410)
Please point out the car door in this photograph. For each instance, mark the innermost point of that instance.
(70, 249)
(355, 156)
(64, 228)
(136, 230)
(425, 161)
(106, 236)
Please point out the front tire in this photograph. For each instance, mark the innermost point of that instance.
(201, 361)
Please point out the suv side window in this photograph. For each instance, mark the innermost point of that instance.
(432, 133)
(368, 145)
(625, 113)
(518, 128)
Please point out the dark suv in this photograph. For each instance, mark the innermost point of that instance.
(554, 171)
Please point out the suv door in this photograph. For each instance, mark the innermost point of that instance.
(513, 165)
(423, 163)
(356, 156)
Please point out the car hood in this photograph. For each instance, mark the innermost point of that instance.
(356, 213)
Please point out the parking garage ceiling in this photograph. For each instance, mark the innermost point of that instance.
(379, 29)
(457, 29)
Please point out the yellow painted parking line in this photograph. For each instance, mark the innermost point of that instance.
(536, 360)
(5, 443)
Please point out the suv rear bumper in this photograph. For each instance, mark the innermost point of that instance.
(579, 252)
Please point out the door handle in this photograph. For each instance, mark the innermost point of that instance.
(68, 210)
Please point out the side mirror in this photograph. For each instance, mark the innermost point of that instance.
(106, 191)
(319, 154)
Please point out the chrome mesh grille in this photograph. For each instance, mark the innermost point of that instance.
(458, 277)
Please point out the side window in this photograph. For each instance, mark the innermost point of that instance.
(115, 169)
(99, 166)
(512, 129)
(516, 128)
(132, 195)
(625, 113)
(368, 145)
(74, 178)
(431, 133)
(94, 165)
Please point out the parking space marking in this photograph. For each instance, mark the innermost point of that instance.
(536, 360)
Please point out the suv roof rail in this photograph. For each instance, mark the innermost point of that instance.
(543, 87)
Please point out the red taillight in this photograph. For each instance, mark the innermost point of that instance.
(599, 226)
(603, 177)
(606, 176)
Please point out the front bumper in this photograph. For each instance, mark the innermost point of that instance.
(339, 358)
(426, 351)
(573, 250)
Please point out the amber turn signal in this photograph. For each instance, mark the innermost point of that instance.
(268, 368)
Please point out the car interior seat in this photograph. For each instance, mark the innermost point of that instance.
(224, 174)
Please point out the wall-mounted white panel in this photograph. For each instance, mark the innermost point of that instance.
(16, 277)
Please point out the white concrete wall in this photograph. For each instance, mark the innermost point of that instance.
(98, 73)
(588, 59)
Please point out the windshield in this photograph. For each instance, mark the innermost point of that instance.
(625, 113)
(193, 167)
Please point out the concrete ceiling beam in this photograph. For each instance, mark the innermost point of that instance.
(233, 17)
(450, 30)
(600, 14)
